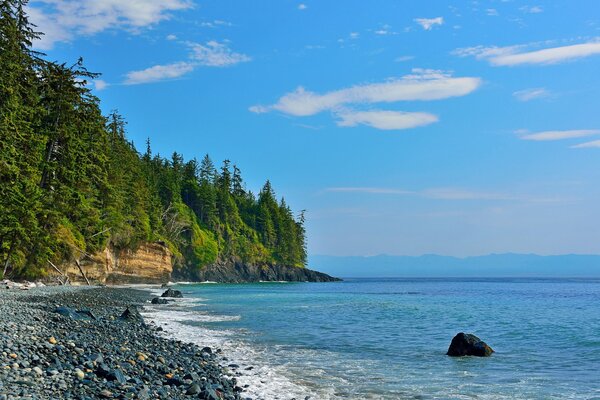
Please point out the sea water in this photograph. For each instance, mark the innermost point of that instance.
(387, 338)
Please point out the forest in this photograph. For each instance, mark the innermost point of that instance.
(71, 183)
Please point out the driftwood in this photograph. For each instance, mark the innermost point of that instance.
(82, 273)
(66, 281)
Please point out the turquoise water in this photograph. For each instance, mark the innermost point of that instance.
(387, 338)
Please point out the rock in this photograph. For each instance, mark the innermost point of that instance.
(52, 340)
(74, 314)
(194, 389)
(158, 300)
(116, 375)
(232, 271)
(106, 394)
(207, 350)
(172, 293)
(79, 374)
(466, 344)
(131, 314)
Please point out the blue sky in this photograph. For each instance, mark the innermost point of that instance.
(458, 128)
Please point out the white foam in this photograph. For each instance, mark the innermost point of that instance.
(265, 381)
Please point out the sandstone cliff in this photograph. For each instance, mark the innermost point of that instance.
(150, 263)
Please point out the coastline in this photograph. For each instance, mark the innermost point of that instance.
(45, 355)
(186, 319)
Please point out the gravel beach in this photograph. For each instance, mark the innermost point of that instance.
(91, 343)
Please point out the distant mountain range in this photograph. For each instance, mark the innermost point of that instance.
(493, 265)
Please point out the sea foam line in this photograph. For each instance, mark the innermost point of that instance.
(264, 381)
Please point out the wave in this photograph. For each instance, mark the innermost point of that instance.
(265, 381)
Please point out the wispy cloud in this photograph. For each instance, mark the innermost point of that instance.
(492, 12)
(420, 85)
(215, 24)
(371, 190)
(531, 94)
(158, 73)
(386, 120)
(210, 54)
(99, 84)
(404, 58)
(215, 54)
(587, 145)
(302, 6)
(429, 23)
(518, 55)
(532, 9)
(63, 20)
(557, 135)
(446, 193)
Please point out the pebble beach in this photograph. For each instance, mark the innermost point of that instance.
(92, 343)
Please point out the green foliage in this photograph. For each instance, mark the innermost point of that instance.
(71, 184)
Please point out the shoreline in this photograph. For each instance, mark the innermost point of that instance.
(186, 319)
(106, 354)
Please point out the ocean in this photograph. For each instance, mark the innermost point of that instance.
(387, 338)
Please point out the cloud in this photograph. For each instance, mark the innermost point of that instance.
(99, 84)
(215, 54)
(63, 20)
(531, 94)
(215, 24)
(492, 12)
(557, 135)
(420, 85)
(516, 55)
(587, 145)
(386, 120)
(302, 6)
(210, 54)
(158, 73)
(370, 190)
(532, 9)
(429, 23)
(171, 37)
(445, 194)
(354, 35)
(404, 58)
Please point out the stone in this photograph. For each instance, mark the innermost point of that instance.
(466, 344)
(172, 293)
(158, 300)
(193, 389)
(75, 314)
(131, 314)
(79, 374)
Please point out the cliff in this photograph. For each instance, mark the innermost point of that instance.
(233, 271)
(150, 263)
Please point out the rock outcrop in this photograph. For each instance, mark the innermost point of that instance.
(466, 344)
(239, 272)
(153, 263)
(150, 263)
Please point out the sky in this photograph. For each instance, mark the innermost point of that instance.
(450, 127)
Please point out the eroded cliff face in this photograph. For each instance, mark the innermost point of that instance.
(150, 263)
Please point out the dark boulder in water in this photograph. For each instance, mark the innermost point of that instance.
(172, 293)
(158, 300)
(466, 344)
